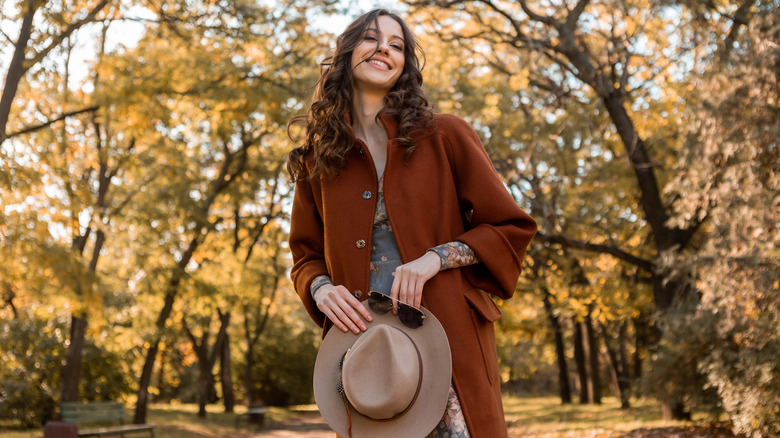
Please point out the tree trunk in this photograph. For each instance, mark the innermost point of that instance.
(203, 387)
(592, 351)
(618, 370)
(579, 359)
(72, 372)
(225, 177)
(228, 393)
(204, 371)
(151, 352)
(207, 392)
(564, 389)
(674, 410)
(143, 385)
(249, 380)
(640, 341)
(162, 385)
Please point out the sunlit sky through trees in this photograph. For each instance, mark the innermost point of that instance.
(128, 32)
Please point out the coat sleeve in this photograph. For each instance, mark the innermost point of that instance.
(499, 231)
(307, 245)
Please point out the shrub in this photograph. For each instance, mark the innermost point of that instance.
(32, 356)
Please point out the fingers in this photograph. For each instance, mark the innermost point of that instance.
(342, 308)
(411, 277)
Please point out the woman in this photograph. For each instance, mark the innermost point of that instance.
(391, 197)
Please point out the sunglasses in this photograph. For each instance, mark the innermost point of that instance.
(410, 316)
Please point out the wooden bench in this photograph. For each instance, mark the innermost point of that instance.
(101, 412)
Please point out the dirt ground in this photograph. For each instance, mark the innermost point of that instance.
(305, 425)
(312, 425)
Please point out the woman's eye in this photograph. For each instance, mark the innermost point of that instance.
(398, 47)
(369, 38)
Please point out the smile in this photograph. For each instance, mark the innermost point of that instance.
(379, 63)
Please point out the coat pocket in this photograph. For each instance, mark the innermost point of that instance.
(483, 313)
(481, 302)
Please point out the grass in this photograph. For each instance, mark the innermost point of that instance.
(543, 417)
(539, 417)
(181, 421)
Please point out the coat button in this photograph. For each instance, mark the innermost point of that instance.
(367, 195)
(358, 294)
(360, 243)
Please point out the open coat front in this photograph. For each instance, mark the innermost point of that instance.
(429, 195)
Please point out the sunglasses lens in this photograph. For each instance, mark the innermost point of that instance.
(379, 303)
(409, 316)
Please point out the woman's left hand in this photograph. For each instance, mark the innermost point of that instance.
(411, 277)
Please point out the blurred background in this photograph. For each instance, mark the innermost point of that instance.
(144, 202)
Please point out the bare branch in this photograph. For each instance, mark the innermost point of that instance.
(574, 14)
(508, 17)
(52, 121)
(8, 38)
(566, 241)
(537, 17)
(741, 18)
(61, 37)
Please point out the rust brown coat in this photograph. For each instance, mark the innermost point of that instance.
(448, 177)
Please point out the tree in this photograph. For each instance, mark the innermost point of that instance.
(33, 46)
(588, 54)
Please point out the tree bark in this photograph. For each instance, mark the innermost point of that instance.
(564, 389)
(207, 357)
(161, 379)
(16, 68)
(228, 394)
(618, 363)
(253, 335)
(579, 359)
(143, 386)
(151, 352)
(72, 371)
(640, 341)
(592, 350)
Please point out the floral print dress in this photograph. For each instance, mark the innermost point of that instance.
(385, 257)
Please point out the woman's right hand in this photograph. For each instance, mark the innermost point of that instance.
(342, 308)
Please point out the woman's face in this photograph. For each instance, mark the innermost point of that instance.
(379, 71)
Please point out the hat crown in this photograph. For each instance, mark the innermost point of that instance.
(382, 373)
(348, 414)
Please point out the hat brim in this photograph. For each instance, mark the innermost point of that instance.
(426, 411)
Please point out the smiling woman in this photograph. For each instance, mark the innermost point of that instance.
(378, 60)
(393, 199)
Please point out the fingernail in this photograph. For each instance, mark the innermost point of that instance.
(362, 327)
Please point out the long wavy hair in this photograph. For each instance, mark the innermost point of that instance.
(327, 131)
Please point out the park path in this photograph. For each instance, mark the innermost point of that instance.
(305, 425)
(310, 424)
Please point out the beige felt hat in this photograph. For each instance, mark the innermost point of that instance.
(388, 381)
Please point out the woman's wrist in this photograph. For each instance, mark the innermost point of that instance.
(455, 255)
(318, 282)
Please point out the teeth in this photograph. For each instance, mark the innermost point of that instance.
(380, 63)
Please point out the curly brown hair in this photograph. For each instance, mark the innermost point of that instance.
(328, 134)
